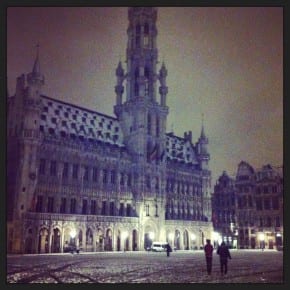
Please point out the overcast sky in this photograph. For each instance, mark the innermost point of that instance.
(224, 62)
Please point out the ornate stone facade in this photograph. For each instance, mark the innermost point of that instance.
(248, 209)
(101, 183)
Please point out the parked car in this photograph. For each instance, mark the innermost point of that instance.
(159, 246)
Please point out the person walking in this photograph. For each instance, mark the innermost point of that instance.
(168, 250)
(208, 249)
(224, 253)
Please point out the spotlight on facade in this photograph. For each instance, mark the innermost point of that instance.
(124, 235)
(216, 238)
(193, 237)
(73, 233)
(261, 237)
(151, 235)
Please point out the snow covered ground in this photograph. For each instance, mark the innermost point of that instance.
(246, 266)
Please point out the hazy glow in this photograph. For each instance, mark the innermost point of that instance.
(124, 235)
(151, 235)
(73, 233)
(223, 62)
(261, 236)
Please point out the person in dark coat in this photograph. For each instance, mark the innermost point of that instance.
(168, 250)
(224, 253)
(208, 250)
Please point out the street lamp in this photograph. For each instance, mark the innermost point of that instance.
(151, 236)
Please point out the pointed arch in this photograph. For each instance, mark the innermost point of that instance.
(108, 240)
(56, 241)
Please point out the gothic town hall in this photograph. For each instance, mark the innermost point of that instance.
(105, 183)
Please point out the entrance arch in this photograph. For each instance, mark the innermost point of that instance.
(55, 242)
(108, 240)
(185, 240)
(135, 240)
(28, 242)
(118, 240)
(150, 234)
(99, 240)
(43, 241)
(177, 239)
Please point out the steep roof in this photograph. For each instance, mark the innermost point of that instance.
(63, 119)
(68, 120)
(180, 149)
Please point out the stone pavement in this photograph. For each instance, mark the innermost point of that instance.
(246, 266)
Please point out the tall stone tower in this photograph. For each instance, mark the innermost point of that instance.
(203, 158)
(142, 113)
(23, 144)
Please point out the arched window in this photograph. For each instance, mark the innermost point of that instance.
(138, 31)
(146, 35)
(136, 89)
(157, 127)
(149, 124)
(146, 74)
(136, 81)
(146, 28)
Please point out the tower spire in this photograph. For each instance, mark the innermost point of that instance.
(36, 66)
(35, 77)
(202, 135)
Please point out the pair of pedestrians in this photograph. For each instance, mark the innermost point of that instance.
(222, 251)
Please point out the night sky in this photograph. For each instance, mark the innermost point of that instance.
(225, 63)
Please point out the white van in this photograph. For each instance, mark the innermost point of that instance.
(159, 246)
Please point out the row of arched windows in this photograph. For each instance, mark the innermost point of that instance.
(138, 35)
